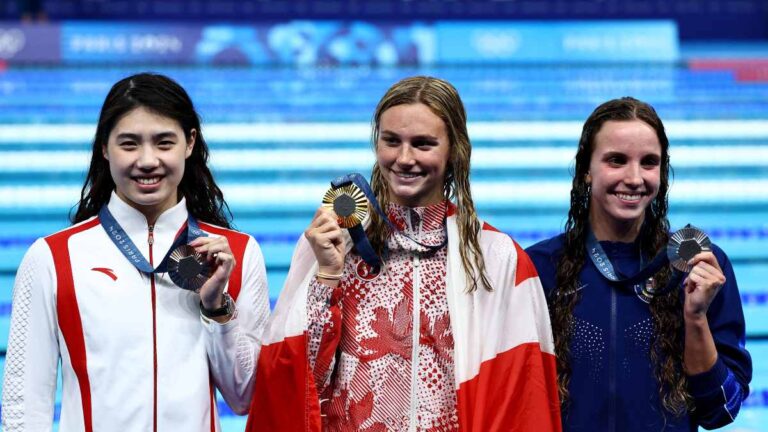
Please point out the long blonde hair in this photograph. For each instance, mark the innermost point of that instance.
(444, 101)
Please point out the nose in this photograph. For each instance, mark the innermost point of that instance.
(633, 175)
(148, 159)
(405, 155)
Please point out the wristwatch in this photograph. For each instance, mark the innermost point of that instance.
(227, 308)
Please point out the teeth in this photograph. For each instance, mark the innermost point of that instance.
(408, 175)
(148, 181)
(629, 197)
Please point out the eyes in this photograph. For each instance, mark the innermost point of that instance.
(620, 159)
(130, 144)
(423, 143)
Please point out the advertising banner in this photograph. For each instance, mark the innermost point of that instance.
(342, 43)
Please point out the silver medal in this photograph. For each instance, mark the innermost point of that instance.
(685, 244)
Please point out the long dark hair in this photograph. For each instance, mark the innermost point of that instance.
(444, 101)
(166, 97)
(666, 351)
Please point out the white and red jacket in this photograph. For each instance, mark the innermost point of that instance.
(135, 353)
(503, 375)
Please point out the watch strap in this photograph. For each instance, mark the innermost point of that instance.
(227, 308)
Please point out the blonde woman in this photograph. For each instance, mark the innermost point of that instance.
(452, 332)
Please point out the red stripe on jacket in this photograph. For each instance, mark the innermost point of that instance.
(68, 313)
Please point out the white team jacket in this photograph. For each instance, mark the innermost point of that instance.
(136, 355)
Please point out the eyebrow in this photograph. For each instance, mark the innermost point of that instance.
(417, 137)
(155, 137)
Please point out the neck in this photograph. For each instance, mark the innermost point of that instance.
(150, 212)
(618, 231)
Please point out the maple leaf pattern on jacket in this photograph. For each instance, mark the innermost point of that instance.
(392, 335)
(370, 379)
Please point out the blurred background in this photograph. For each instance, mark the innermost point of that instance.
(286, 90)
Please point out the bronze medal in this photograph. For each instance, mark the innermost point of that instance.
(187, 268)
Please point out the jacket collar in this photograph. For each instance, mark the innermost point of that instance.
(164, 231)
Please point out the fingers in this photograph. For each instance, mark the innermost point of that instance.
(216, 250)
(705, 257)
(326, 239)
(707, 269)
(324, 222)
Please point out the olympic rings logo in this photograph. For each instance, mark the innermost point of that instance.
(12, 40)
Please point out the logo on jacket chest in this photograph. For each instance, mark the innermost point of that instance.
(364, 272)
(107, 271)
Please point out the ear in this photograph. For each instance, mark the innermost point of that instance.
(104, 152)
(588, 178)
(191, 143)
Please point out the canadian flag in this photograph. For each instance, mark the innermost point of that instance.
(503, 348)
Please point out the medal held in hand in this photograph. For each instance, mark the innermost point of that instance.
(187, 268)
(349, 204)
(349, 200)
(685, 244)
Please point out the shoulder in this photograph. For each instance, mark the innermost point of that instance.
(68, 232)
(722, 257)
(497, 243)
(241, 243)
(545, 255)
(547, 250)
(39, 252)
(225, 232)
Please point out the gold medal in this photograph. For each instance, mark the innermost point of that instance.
(349, 204)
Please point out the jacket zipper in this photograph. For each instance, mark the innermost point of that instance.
(151, 241)
(415, 341)
(416, 333)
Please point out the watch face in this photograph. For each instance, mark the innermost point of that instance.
(187, 268)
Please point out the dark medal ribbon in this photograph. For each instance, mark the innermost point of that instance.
(186, 268)
(347, 198)
(683, 245)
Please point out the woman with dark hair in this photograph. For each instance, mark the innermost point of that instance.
(105, 296)
(450, 332)
(637, 355)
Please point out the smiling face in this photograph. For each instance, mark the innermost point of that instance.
(146, 153)
(624, 174)
(412, 152)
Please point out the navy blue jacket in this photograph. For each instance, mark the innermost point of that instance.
(613, 387)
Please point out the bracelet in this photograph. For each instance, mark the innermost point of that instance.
(330, 276)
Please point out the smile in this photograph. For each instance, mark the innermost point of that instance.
(407, 175)
(147, 180)
(630, 196)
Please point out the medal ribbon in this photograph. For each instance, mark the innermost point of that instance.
(357, 233)
(126, 246)
(605, 267)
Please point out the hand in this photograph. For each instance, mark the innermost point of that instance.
(218, 254)
(325, 237)
(702, 285)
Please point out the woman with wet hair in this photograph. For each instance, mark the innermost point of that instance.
(450, 332)
(149, 301)
(632, 355)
